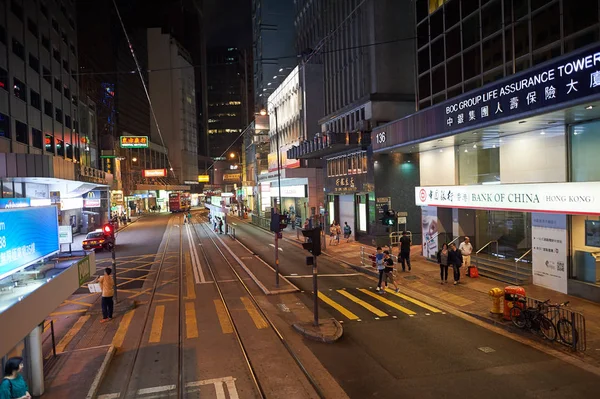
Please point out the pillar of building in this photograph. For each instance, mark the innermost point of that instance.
(35, 359)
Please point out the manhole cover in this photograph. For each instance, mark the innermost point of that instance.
(486, 349)
(412, 277)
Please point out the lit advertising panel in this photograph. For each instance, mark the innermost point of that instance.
(154, 172)
(26, 235)
(134, 141)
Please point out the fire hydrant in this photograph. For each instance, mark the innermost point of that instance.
(496, 294)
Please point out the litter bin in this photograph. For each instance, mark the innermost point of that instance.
(513, 296)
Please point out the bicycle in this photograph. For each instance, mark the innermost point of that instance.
(534, 319)
(566, 330)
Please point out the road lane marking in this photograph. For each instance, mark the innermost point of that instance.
(257, 318)
(68, 312)
(279, 248)
(157, 324)
(337, 306)
(218, 383)
(199, 275)
(191, 324)
(362, 303)
(226, 326)
(294, 275)
(122, 330)
(189, 283)
(60, 348)
(388, 302)
(415, 301)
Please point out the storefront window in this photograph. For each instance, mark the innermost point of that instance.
(585, 244)
(585, 146)
(511, 230)
(479, 163)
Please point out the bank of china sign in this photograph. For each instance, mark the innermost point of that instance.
(567, 198)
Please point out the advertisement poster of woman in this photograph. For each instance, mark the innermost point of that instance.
(429, 225)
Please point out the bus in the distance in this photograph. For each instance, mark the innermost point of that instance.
(180, 202)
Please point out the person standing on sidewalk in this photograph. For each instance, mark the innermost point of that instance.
(455, 259)
(388, 262)
(466, 249)
(347, 232)
(442, 258)
(380, 267)
(107, 285)
(332, 231)
(404, 255)
(338, 232)
(13, 385)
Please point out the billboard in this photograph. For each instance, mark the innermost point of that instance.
(26, 235)
(203, 178)
(154, 172)
(134, 141)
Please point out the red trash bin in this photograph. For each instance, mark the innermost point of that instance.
(513, 296)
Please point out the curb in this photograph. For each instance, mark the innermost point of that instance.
(93, 392)
(307, 330)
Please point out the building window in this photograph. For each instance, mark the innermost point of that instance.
(74, 100)
(36, 100)
(76, 126)
(18, 49)
(57, 84)
(34, 63)
(56, 54)
(48, 108)
(68, 121)
(4, 126)
(60, 148)
(36, 138)
(46, 42)
(32, 27)
(47, 75)
(478, 163)
(44, 10)
(65, 65)
(20, 90)
(434, 5)
(21, 132)
(58, 115)
(67, 93)
(16, 9)
(3, 79)
(55, 25)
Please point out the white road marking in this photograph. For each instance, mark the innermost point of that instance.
(219, 384)
(196, 265)
(235, 224)
(279, 248)
(294, 275)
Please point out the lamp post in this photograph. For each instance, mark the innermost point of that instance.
(264, 112)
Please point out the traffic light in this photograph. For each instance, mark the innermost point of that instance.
(388, 218)
(275, 222)
(313, 245)
(283, 222)
(108, 230)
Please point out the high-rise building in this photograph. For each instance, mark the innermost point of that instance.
(173, 95)
(273, 36)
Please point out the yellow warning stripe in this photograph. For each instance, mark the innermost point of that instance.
(60, 348)
(157, 324)
(226, 326)
(258, 320)
(362, 303)
(122, 330)
(415, 301)
(387, 302)
(191, 324)
(337, 306)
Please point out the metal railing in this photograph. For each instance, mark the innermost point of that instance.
(570, 325)
(367, 258)
(230, 231)
(517, 265)
(487, 245)
(261, 222)
(45, 326)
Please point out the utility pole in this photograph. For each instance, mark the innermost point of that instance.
(278, 199)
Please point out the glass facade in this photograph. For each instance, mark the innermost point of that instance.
(585, 144)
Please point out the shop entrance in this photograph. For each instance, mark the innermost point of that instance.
(512, 231)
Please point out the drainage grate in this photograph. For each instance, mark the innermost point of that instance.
(487, 349)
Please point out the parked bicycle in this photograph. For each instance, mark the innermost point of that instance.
(566, 330)
(534, 318)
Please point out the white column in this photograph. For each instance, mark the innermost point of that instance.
(35, 358)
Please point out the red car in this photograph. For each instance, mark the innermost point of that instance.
(98, 240)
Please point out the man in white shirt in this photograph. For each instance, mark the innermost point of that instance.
(465, 249)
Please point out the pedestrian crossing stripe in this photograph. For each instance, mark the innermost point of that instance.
(415, 301)
(387, 302)
(362, 303)
(337, 306)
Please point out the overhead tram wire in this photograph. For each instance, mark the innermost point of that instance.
(139, 70)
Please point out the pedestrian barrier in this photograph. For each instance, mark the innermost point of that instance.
(570, 325)
(367, 257)
(230, 230)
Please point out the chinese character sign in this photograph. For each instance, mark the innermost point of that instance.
(549, 250)
(134, 141)
(26, 235)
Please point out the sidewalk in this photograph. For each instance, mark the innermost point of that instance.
(470, 296)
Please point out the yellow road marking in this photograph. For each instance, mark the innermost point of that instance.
(191, 324)
(226, 326)
(415, 301)
(157, 324)
(60, 348)
(67, 302)
(387, 302)
(337, 306)
(257, 318)
(189, 278)
(122, 330)
(362, 303)
(68, 312)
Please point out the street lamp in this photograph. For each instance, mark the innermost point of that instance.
(134, 159)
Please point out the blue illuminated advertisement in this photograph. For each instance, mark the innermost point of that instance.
(26, 235)
(9, 203)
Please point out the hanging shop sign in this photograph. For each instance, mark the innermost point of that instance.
(567, 198)
(65, 234)
(92, 203)
(232, 177)
(134, 141)
(203, 178)
(549, 250)
(154, 172)
(566, 80)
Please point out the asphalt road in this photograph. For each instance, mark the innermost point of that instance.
(424, 355)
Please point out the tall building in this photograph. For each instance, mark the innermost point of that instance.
(273, 36)
(173, 95)
(227, 115)
(511, 164)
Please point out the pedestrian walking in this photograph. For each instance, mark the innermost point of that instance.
(466, 249)
(380, 267)
(338, 232)
(442, 258)
(404, 256)
(347, 232)
(13, 385)
(220, 226)
(455, 260)
(107, 285)
(388, 272)
(332, 231)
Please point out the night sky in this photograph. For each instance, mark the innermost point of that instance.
(228, 23)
